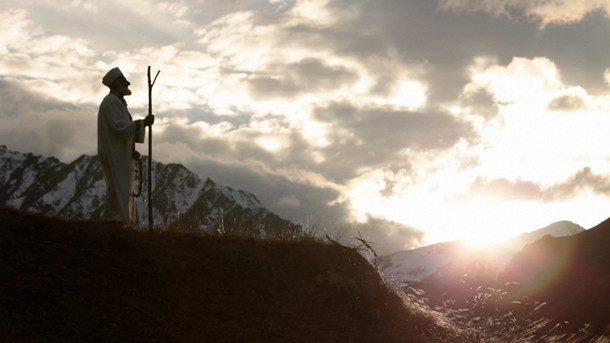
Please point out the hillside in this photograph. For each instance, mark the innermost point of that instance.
(569, 275)
(77, 281)
(561, 281)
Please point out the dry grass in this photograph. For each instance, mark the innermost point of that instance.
(484, 322)
(63, 281)
(71, 281)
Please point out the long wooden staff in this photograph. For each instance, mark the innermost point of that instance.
(150, 214)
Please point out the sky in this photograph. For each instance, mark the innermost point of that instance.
(406, 122)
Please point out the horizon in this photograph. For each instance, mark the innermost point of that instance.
(410, 122)
(555, 229)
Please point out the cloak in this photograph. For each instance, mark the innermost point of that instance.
(116, 135)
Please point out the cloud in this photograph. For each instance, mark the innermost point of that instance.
(289, 201)
(289, 181)
(371, 137)
(303, 102)
(545, 11)
(304, 201)
(584, 179)
(444, 43)
(384, 236)
(578, 183)
(42, 125)
(563, 12)
(479, 101)
(507, 189)
(539, 28)
(522, 78)
(56, 65)
(567, 103)
(310, 75)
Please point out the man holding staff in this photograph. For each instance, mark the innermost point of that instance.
(117, 134)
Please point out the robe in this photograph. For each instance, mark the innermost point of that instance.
(116, 134)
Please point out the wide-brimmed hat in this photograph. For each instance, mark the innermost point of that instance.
(111, 76)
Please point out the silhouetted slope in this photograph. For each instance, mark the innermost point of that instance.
(74, 281)
(569, 275)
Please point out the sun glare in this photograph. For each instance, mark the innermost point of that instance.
(483, 240)
(476, 220)
(269, 143)
(411, 95)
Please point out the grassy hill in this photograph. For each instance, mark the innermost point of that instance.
(77, 281)
(72, 281)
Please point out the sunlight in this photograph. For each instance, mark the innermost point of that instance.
(446, 212)
(479, 222)
(313, 11)
(483, 240)
(534, 146)
(411, 95)
(270, 143)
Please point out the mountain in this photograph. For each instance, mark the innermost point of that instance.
(422, 263)
(558, 276)
(76, 191)
(567, 278)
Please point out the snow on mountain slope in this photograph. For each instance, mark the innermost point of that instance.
(418, 264)
(77, 190)
(558, 229)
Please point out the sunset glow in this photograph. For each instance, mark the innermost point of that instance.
(410, 122)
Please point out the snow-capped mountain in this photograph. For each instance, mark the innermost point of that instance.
(456, 258)
(76, 191)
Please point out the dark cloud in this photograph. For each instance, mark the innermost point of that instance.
(272, 188)
(238, 144)
(198, 114)
(373, 137)
(581, 61)
(385, 237)
(317, 210)
(444, 43)
(582, 180)
(480, 102)
(566, 103)
(243, 165)
(511, 8)
(360, 138)
(18, 101)
(306, 76)
(562, 39)
(32, 122)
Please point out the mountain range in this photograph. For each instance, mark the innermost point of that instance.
(561, 271)
(76, 190)
(432, 261)
(558, 276)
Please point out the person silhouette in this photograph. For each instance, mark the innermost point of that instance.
(117, 134)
